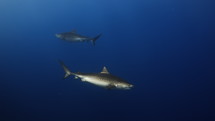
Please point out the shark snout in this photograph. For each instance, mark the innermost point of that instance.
(130, 85)
(58, 35)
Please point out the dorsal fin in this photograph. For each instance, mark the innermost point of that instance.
(104, 70)
(73, 31)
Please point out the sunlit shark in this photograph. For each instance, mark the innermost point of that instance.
(74, 37)
(102, 79)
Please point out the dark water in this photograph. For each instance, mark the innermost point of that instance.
(164, 47)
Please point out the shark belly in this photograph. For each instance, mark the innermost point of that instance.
(78, 39)
(71, 39)
(96, 81)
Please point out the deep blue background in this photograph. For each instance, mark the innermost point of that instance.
(164, 47)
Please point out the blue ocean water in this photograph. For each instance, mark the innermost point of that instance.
(165, 48)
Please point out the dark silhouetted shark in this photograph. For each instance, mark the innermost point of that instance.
(74, 37)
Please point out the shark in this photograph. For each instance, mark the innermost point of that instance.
(102, 79)
(74, 37)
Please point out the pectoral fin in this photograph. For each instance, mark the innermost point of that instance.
(110, 86)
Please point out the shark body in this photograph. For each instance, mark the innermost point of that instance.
(102, 79)
(74, 37)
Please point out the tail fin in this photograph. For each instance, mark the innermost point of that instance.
(95, 38)
(65, 68)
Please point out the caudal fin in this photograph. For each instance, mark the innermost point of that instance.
(95, 38)
(66, 69)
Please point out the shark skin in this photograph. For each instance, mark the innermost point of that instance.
(102, 79)
(74, 37)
